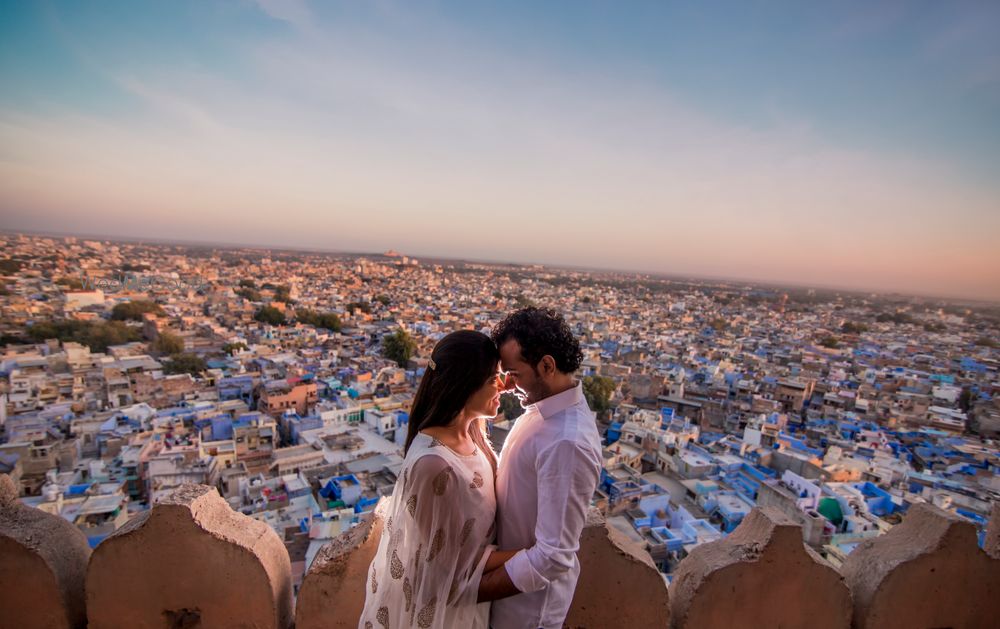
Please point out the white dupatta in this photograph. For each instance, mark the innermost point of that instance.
(432, 552)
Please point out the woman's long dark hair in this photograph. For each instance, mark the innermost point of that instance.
(463, 362)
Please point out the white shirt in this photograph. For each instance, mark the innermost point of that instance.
(548, 471)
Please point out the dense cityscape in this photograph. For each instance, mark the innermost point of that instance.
(283, 379)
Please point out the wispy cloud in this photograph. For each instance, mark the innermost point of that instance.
(295, 12)
(172, 105)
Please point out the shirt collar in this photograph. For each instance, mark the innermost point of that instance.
(560, 401)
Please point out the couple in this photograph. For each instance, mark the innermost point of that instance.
(465, 527)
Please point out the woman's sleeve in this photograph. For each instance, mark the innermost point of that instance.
(430, 545)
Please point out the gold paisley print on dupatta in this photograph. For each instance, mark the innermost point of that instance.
(477, 481)
(436, 544)
(395, 566)
(418, 569)
(440, 482)
(426, 616)
(382, 616)
(466, 531)
(408, 593)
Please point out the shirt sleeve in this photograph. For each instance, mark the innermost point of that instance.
(567, 478)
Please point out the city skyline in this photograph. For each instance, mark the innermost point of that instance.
(850, 147)
(638, 273)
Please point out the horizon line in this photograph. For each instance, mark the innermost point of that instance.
(660, 275)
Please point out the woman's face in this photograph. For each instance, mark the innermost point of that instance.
(486, 401)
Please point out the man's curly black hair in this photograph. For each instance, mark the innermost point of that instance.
(540, 331)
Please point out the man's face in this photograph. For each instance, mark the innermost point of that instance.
(523, 379)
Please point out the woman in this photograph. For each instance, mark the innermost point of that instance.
(439, 525)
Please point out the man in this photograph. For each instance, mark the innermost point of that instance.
(547, 473)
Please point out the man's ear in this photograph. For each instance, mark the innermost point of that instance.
(547, 365)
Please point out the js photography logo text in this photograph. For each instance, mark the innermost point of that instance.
(133, 282)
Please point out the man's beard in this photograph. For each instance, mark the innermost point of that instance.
(532, 397)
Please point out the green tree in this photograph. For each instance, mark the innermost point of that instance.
(10, 266)
(12, 339)
(510, 406)
(598, 391)
(281, 293)
(985, 341)
(852, 327)
(133, 310)
(100, 336)
(70, 283)
(232, 348)
(383, 299)
(894, 317)
(523, 302)
(965, 399)
(249, 293)
(328, 320)
(399, 347)
(168, 343)
(830, 341)
(359, 305)
(185, 362)
(270, 315)
(245, 283)
(97, 335)
(61, 329)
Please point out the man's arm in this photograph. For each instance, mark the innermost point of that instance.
(496, 584)
(567, 477)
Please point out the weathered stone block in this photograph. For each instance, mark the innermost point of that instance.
(191, 561)
(332, 595)
(619, 584)
(761, 575)
(43, 560)
(928, 571)
(992, 543)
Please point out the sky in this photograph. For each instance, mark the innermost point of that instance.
(846, 144)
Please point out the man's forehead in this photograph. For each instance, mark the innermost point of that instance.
(510, 350)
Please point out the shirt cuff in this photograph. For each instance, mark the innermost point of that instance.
(522, 574)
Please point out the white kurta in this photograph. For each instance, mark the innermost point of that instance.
(430, 558)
